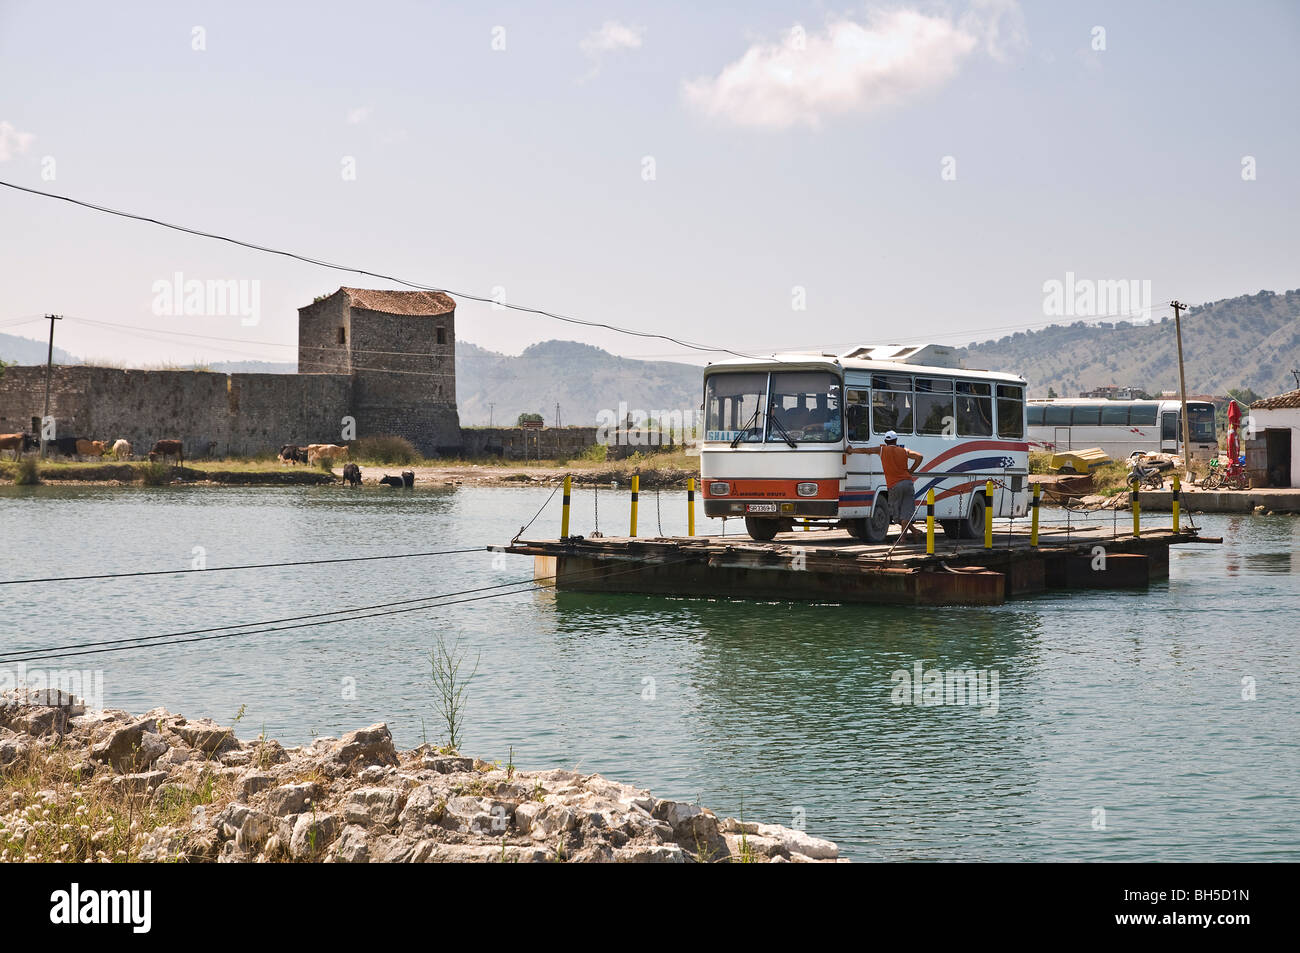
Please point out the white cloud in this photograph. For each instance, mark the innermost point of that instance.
(1001, 25)
(611, 37)
(13, 142)
(852, 67)
(359, 114)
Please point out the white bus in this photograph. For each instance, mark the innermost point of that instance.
(776, 431)
(1120, 427)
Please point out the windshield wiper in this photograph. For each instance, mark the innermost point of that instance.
(748, 426)
(771, 415)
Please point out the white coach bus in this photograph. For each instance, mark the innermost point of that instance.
(1120, 427)
(776, 433)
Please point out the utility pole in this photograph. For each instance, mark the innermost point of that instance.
(1182, 388)
(49, 372)
(557, 414)
(491, 410)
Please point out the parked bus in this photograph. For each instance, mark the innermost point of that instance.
(776, 431)
(1120, 427)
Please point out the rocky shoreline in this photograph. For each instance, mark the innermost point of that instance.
(108, 786)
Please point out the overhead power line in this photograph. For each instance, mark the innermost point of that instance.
(301, 562)
(347, 615)
(484, 299)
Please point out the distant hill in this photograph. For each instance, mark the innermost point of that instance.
(1249, 341)
(16, 350)
(583, 379)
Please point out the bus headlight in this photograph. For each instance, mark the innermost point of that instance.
(719, 489)
(806, 489)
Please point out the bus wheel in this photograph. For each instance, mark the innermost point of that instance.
(972, 527)
(873, 530)
(761, 529)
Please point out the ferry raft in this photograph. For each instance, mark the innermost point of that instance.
(833, 566)
(798, 439)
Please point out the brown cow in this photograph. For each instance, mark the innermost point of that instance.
(90, 448)
(17, 442)
(168, 448)
(317, 450)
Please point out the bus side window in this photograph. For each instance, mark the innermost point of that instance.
(1011, 412)
(857, 415)
(1114, 416)
(1169, 426)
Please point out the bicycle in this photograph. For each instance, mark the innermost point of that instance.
(1231, 477)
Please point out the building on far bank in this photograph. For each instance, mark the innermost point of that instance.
(1273, 455)
(384, 360)
(1110, 392)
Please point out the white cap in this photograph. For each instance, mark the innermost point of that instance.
(891, 436)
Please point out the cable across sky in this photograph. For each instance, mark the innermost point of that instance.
(485, 299)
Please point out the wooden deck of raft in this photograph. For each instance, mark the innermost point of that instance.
(829, 565)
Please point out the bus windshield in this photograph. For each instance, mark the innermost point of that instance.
(733, 406)
(804, 407)
(1200, 421)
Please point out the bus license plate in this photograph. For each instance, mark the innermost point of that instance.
(760, 507)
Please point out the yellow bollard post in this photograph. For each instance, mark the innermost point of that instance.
(1033, 526)
(1177, 486)
(1137, 511)
(929, 522)
(988, 514)
(690, 507)
(636, 491)
(564, 510)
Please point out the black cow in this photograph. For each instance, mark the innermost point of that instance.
(290, 453)
(408, 478)
(64, 445)
(352, 474)
(390, 480)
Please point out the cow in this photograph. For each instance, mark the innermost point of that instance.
(120, 449)
(90, 448)
(289, 453)
(352, 474)
(408, 478)
(19, 443)
(333, 450)
(390, 480)
(67, 446)
(168, 448)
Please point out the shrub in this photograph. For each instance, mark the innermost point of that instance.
(386, 449)
(29, 472)
(154, 473)
(325, 463)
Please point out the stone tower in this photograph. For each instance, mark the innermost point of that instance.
(399, 347)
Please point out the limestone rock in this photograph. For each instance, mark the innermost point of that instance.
(207, 736)
(131, 747)
(367, 806)
(292, 798)
(311, 835)
(352, 847)
(373, 745)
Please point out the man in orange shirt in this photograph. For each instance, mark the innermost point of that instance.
(894, 461)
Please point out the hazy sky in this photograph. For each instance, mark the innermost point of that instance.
(919, 170)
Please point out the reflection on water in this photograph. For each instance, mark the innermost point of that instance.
(1121, 731)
